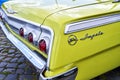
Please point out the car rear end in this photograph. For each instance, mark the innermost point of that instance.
(68, 43)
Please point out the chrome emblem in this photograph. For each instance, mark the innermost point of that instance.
(72, 40)
(11, 11)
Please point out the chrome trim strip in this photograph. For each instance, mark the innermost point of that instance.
(95, 22)
(50, 78)
(21, 19)
(51, 43)
(30, 55)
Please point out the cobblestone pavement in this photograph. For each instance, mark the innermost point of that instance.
(13, 65)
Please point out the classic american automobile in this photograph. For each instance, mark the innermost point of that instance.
(65, 39)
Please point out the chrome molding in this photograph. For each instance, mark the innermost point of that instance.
(20, 19)
(115, 1)
(50, 45)
(95, 22)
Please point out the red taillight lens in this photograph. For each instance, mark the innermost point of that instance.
(42, 45)
(21, 32)
(30, 37)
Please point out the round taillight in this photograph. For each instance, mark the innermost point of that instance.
(21, 32)
(30, 37)
(42, 45)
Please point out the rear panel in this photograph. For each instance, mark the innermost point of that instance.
(93, 50)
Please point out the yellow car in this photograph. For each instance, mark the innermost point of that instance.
(65, 39)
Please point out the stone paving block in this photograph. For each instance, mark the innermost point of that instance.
(13, 47)
(22, 65)
(4, 54)
(1, 69)
(3, 64)
(17, 51)
(6, 46)
(26, 77)
(19, 71)
(21, 59)
(9, 70)
(18, 55)
(29, 71)
(4, 39)
(7, 59)
(2, 36)
(1, 57)
(4, 51)
(10, 55)
(8, 43)
(11, 51)
(2, 76)
(2, 42)
(12, 65)
(11, 77)
(1, 48)
(14, 60)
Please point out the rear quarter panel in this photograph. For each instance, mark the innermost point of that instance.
(92, 56)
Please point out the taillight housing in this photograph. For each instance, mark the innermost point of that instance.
(21, 32)
(42, 45)
(30, 37)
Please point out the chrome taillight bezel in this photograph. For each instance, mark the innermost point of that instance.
(42, 45)
(47, 40)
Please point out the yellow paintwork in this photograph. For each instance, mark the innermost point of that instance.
(85, 54)
(91, 57)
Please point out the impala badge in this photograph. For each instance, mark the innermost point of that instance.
(72, 40)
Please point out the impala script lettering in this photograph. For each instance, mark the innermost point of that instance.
(88, 36)
(72, 39)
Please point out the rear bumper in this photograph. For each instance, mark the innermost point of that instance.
(68, 75)
(29, 54)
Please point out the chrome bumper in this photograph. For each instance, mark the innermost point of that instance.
(29, 54)
(68, 75)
